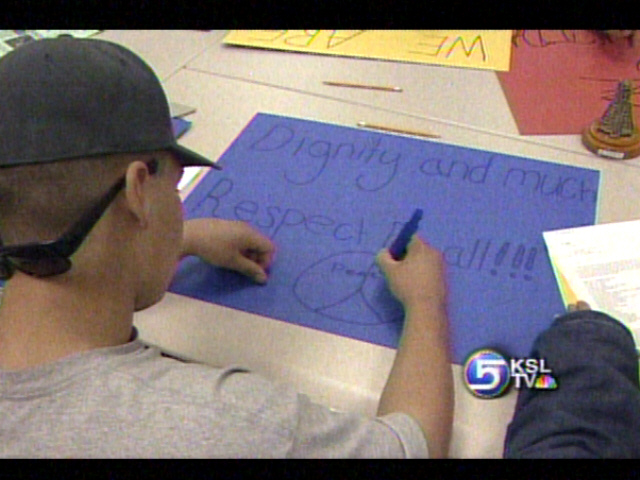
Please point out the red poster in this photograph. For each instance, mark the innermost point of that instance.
(561, 80)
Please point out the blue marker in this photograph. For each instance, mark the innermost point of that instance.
(398, 248)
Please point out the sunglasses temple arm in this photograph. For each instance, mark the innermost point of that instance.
(72, 240)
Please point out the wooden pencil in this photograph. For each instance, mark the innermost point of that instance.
(366, 87)
(397, 130)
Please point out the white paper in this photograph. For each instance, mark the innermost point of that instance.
(601, 264)
(11, 39)
(180, 110)
(189, 175)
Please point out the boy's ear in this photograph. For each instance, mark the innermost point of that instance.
(137, 192)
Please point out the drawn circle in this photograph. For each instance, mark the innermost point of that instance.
(342, 287)
(486, 374)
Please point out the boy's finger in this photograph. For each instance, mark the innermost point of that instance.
(581, 305)
(251, 269)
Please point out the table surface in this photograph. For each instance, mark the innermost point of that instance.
(466, 107)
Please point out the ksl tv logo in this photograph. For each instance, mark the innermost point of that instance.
(488, 374)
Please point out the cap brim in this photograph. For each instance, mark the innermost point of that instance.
(189, 158)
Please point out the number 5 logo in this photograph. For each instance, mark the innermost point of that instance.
(486, 374)
(490, 367)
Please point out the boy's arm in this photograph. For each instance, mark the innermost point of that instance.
(420, 383)
(229, 244)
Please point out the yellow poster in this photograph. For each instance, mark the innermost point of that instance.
(486, 49)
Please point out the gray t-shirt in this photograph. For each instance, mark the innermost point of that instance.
(130, 401)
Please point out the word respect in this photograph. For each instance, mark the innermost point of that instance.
(272, 219)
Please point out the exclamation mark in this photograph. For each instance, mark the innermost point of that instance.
(502, 253)
(518, 258)
(528, 264)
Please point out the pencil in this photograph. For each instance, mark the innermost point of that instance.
(398, 130)
(367, 87)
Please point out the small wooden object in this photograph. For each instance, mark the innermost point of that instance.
(615, 135)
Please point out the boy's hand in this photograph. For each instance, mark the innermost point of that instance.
(578, 306)
(419, 277)
(229, 244)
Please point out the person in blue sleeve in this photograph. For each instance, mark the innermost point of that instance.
(595, 410)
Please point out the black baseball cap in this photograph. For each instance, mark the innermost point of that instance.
(67, 98)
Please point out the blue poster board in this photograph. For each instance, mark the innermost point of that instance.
(330, 197)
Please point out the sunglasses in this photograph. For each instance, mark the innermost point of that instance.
(52, 258)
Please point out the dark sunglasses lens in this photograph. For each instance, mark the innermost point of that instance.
(41, 267)
(6, 269)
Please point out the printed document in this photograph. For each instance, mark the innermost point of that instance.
(600, 264)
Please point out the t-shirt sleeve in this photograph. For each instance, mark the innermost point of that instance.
(314, 430)
(326, 433)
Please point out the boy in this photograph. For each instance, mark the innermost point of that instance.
(87, 157)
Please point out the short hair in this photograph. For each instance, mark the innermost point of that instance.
(40, 202)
